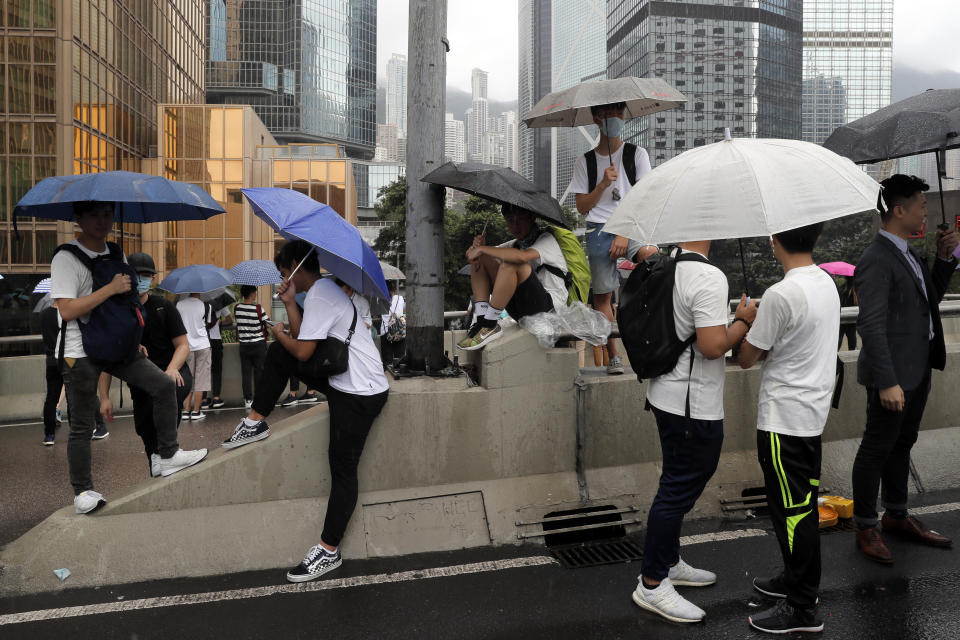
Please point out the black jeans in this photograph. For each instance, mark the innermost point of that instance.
(216, 367)
(252, 357)
(81, 380)
(791, 473)
(688, 464)
(54, 385)
(390, 350)
(848, 330)
(143, 411)
(351, 417)
(884, 454)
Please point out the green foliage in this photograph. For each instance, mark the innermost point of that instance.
(392, 209)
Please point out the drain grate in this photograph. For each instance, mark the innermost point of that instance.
(596, 553)
(841, 526)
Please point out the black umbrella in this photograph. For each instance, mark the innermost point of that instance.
(925, 123)
(498, 184)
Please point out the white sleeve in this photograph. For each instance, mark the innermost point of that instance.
(771, 321)
(710, 300)
(64, 276)
(578, 183)
(642, 160)
(317, 319)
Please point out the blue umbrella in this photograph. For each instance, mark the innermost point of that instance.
(43, 286)
(197, 278)
(340, 249)
(256, 273)
(142, 197)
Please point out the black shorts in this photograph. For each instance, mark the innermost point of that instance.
(529, 298)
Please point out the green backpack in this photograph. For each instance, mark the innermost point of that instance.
(577, 277)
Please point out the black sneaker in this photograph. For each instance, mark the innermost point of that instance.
(785, 618)
(318, 562)
(217, 403)
(206, 403)
(245, 434)
(310, 398)
(100, 432)
(290, 401)
(772, 587)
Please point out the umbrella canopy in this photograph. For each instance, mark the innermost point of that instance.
(256, 273)
(920, 124)
(390, 272)
(740, 189)
(197, 278)
(43, 286)
(838, 268)
(142, 197)
(571, 107)
(498, 184)
(339, 246)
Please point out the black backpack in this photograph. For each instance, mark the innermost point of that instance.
(629, 159)
(115, 327)
(645, 315)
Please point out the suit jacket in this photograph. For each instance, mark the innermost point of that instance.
(894, 318)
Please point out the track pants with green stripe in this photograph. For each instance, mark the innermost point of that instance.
(791, 472)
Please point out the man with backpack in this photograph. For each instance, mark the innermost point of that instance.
(618, 167)
(686, 396)
(102, 324)
(524, 276)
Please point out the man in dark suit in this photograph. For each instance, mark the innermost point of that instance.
(899, 324)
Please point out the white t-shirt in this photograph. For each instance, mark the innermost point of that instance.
(798, 323)
(194, 321)
(69, 278)
(214, 332)
(699, 300)
(605, 207)
(550, 254)
(327, 311)
(363, 309)
(397, 306)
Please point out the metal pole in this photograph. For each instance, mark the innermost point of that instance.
(941, 171)
(426, 102)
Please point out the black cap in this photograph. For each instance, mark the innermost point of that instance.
(142, 263)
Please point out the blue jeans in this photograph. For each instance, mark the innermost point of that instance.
(603, 271)
(688, 464)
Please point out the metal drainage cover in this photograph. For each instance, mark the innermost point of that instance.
(841, 526)
(592, 554)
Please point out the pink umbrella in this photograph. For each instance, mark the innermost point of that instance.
(838, 268)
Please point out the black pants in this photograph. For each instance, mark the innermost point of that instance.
(791, 473)
(252, 356)
(390, 350)
(848, 331)
(216, 366)
(143, 411)
(883, 458)
(351, 417)
(688, 464)
(54, 385)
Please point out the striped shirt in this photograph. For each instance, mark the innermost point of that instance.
(249, 325)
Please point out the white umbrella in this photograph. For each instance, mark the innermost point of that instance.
(742, 188)
(391, 272)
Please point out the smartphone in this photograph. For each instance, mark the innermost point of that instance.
(269, 323)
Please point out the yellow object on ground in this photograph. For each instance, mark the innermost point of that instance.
(843, 506)
(828, 517)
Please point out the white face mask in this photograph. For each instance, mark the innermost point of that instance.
(611, 127)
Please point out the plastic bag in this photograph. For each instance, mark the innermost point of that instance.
(575, 319)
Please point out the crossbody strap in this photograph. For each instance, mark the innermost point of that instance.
(353, 325)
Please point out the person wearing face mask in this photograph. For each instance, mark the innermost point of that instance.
(601, 178)
(164, 343)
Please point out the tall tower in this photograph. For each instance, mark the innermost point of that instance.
(533, 80)
(397, 93)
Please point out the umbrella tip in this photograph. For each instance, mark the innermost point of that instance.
(726, 134)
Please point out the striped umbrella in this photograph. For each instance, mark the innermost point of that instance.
(256, 273)
(43, 286)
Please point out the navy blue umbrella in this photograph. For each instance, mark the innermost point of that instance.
(197, 278)
(339, 246)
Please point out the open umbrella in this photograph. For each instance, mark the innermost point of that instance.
(339, 246)
(196, 278)
(497, 184)
(43, 286)
(256, 273)
(838, 268)
(391, 272)
(928, 122)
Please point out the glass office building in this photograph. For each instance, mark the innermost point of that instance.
(739, 62)
(308, 68)
(533, 81)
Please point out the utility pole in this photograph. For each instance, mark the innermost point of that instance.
(426, 105)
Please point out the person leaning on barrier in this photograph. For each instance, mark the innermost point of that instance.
(356, 396)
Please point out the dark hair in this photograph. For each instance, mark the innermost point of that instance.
(293, 252)
(619, 106)
(246, 290)
(897, 189)
(86, 206)
(800, 240)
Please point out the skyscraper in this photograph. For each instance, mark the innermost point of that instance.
(478, 83)
(739, 66)
(477, 118)
(397, 93)
(533, 83)
(308, 68)
(453, 139)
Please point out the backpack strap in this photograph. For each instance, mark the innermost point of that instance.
(591, 159)
(629, 160)
(353, 325)
(78, 253)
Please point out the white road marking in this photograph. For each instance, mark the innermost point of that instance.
(936, 508)
(720, 536)
(261, 592)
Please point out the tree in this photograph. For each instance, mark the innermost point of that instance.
(391, 208)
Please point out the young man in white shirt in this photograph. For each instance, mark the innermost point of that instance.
(794, 334)
(194, 314)
(72, 287)
(598, 200)
(519, 276)
(688, 405)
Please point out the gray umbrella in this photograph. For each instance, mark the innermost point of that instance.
(571, 107)
(925, 123)
(498, 184)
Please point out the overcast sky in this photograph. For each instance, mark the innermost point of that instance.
(483, 33)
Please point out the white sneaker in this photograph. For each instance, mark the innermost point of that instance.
(247, 404)
(683, 575)
(665, 601)
(198, 415)
(155, 465)
(180, 461)
(88, 501)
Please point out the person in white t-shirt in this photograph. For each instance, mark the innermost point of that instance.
(390, 349)
(356, 397)
(524, 276)
(794, 333)
(193, 311)
(613, 175)
(688, 405)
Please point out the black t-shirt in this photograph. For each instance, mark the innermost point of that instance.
(161, 325)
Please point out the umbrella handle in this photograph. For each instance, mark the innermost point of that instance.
(940, 173)
(295, 269)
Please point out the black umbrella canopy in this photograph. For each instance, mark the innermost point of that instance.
(926, 122)
(498, 184)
